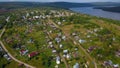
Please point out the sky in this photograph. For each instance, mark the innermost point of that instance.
(63, 0)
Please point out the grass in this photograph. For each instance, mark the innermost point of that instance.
(9, 64)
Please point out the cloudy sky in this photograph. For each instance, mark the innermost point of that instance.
(66, 0)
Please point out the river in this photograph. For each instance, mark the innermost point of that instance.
(97, 12)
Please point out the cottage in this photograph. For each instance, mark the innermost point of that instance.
(23, 17)
(32, 54)
(76, 48)
(75, 54)
(95, 30)
(76, 37)
(50, 31)
(76, 65)
(56, 66)
(58, 40)
(1, 49)
(27, 14)
(88, 36)
(115, 66)
(91, 48)
(7, 56)
(58, 59)
(23, 52)
(32, 12)
(59, 34)
(54, 51)
(59, 23)
(50, 43)
(7, 19)
(65, 51)
(117, 53)
(68, 56)
(30, 40)
(64, 20)
(60, 45)
(74, 34)
(81, 41)
(64, 37)
(36, 17)
(51, 46)
(107, 63)
(113, 39)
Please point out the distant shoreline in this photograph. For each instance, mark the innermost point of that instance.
(115, 9)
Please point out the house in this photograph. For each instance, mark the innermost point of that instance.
(50, 31)
(60, 45)
(76, 65)
(74, 34)
(1, 49)
(58, 40)
(54, 51)
(65, 51)
(51, 46)
(88, 36)
(91, 48)
(59, 34)
(59, 23)
(27, 14)
(76, 48)
(23, 17)
(7, 57)
(35, 17)
(7, 19)
(64, 37)
(113, 39)
(23, 52)
(86, 66)
(58, 59)
(107, 63)
(75, 54)
(32, 54)
(76, 37)
(32, 12)
(56, 66)
(81, 41)
(117, 53)
(50, 43)
(68, 56)
(115, 66)
(95, 30)
(30, 40)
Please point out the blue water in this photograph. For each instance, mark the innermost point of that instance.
(97, 12)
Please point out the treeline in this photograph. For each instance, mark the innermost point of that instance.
(110, 9)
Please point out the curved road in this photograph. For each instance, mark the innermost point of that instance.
(12, 57)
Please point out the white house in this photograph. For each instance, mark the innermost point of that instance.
(76, 65)
(58, 60)
(81, 41)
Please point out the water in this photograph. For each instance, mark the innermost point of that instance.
(97, 12)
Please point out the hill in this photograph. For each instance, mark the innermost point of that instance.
(12, 5)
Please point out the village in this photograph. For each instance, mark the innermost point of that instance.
(58, 38)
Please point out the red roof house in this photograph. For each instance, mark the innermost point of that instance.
(32, 54)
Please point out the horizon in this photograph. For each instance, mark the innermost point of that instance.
(59, 1)
(72, 1)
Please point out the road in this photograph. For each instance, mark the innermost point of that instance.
(12, 57)
(91, 59)
(64, 60)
